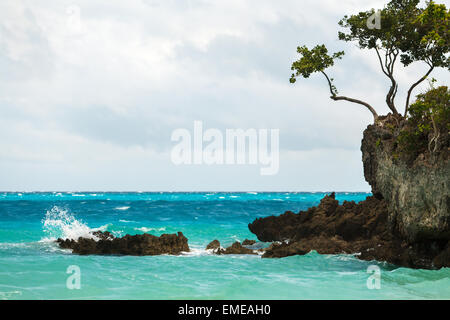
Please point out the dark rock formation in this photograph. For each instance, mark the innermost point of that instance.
(214, 245)
(349, 228)
(247, 242)
(137, 245)
(237, 248)
(405, 222)
(350, 221)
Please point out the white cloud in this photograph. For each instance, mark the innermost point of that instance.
(90, 103)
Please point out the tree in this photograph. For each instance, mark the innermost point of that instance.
(429, 115)
(405, 33)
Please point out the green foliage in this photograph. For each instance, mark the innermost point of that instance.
(431, 106)
(315, 60)
(431, 28)
(411, 143)
(419, 34)
(428, 118)
(396, 25)
(391, 127)
(378, 143)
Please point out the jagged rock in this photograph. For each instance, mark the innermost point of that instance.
(349, 228)
(349, 221)
(237, 248)
(405, 222)
(247, 242)
(145, 244)
(106, 235)
(215, 244)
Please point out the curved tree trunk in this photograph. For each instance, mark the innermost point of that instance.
(338, 98)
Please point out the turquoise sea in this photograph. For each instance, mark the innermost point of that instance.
(33, 267)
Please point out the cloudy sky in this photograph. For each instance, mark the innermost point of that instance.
(90, 92)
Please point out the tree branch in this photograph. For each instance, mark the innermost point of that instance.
(329, 83)
(381, 62)
(368, 106)
(337, 98)
(388, 70)
(415, 85)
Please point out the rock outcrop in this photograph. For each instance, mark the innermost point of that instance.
(104, 243)
(235, 248)
(406, 221)
(416, 190)
(350, 228)
(213, 245)
(350, 221)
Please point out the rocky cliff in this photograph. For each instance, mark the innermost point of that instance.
(405, 222)
(416, 186)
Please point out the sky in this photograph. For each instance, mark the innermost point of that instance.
(91, 91)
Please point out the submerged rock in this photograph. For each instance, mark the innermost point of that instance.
(104, 243)
(350, 228)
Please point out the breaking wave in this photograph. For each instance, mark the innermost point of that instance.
(59, 223)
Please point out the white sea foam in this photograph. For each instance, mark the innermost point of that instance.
(145, 229)
(7, 245)
(117, 233)
(59, 223)
(197, 251)
(8, 294)
(122, 208)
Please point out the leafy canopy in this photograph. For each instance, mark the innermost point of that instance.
(428, 124)
(406, 33)
(435, 103)
(432, 28)
(314, 60)
(420, 34)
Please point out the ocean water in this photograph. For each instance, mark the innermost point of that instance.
(33, 267)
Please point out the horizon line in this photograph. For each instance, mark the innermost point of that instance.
(178, 191)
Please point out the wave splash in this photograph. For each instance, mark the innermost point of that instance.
(59, 223)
